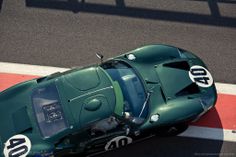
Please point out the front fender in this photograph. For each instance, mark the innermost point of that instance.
(154, 53)
(176, 111)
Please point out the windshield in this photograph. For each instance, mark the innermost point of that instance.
(48, 110)
(131, 86)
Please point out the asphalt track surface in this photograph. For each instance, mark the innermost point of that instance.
(68, 33)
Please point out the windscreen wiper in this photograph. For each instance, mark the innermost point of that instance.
(145, 103)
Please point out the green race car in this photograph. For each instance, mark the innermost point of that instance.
(102, 107)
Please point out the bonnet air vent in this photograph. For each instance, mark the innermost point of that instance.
(178, 65)
(190, 89)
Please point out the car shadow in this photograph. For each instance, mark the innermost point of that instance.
(211, 119)
(175, 145)
(121, 9)
(1, 1)
(219, 1)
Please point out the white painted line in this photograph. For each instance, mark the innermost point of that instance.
(16, 68)
(209, 133)
(27, 69)
(226, 88)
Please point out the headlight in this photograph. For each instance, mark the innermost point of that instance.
(131, 56)
(154, 118)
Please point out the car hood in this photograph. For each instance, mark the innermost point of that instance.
(174, 78)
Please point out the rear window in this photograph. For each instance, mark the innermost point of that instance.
(48, 110)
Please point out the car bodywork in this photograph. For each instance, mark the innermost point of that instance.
(83, 109)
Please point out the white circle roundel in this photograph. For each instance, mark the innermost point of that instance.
(17, 146)
(201, 76)
(117, 142)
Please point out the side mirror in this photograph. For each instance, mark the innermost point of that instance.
(100, 56)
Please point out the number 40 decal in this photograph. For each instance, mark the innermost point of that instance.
(17, 146)
(117, 142)
(201, 76)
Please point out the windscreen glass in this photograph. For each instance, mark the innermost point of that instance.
(131, 86)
